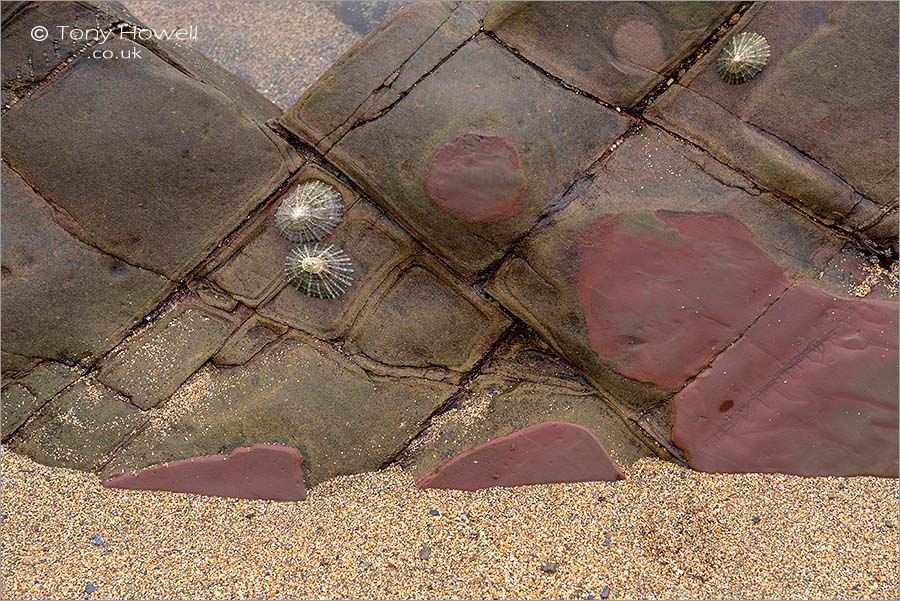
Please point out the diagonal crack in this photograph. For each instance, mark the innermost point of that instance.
(69, 225)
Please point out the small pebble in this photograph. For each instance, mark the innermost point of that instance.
(604, 594)
(601, 498)
(607, 542)
(97, 540)
(434, 512)
(855, 587)
(250, 516)
(755, 519)
(549, 567)
(425, 552)
(89, 589)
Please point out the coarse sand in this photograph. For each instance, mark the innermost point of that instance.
(663, 533)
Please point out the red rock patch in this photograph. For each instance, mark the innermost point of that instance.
(260, 472)
(476, 178)
(544, 453)
(664, 292)
(811, 389)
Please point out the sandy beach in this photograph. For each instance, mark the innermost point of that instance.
(663, 533)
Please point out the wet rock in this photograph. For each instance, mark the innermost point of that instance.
(297, 393)
(428, 318)
(789, 127)
(375, 245)
(81, 427)
(152, 365)
(616, 51)
(372, 76)
(63, 299)
(558, 278)
(543, 453)
(259, 472)
(209, 164)
(494, 407)
(481, 92)
(811, 354)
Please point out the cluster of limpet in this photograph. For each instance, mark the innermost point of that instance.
(310, 212)
(319, 270)
(743, 57)
(307, 214)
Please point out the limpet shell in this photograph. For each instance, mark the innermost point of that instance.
(743, 57)
(310, 211)
(319, 270)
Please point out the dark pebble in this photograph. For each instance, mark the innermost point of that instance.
(89, 589)
(601, 498)
(425, 552)
(755, 519)
(249, 516)
(855, 587)
(97, 540)
(549, 567)
(607, 542)
(434, 512)
(604, 594)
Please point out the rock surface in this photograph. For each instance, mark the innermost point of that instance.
(485, 91)
(497, 217)
(601, 270)
(63, 299)
(298, 393)
(811, 389)
(670, 284)
(259, 472)
(798, 126)
(616, 51)
(188, 175)
(540, 454)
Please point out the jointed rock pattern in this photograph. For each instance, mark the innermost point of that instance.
(533, 251)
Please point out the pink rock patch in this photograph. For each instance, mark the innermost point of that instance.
(663, 292)
(476, 178)
(811, 389)
(260, 472)
(545, 453)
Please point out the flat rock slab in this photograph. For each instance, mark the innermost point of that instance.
(811, 389)
(372, 76)
(298, 393)
(80, 428)
(22, 397)
(673, 285)
(482, 124)
(659, 261)
(616, 51)
(262, 471)
(63, 299)
(151, 366)
(797, 127)
(427, 317)
(495, 406)
(544, 453)
(157, 188)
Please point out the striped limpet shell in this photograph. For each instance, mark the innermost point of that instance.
(319, 270)
(743, 57)
(310, 212)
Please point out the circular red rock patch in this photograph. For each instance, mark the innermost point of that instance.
(476, 178)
